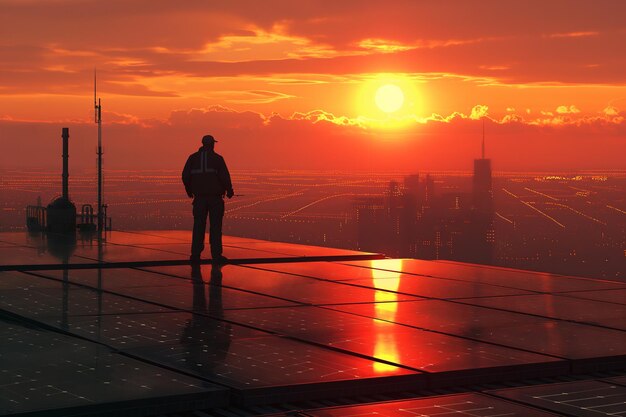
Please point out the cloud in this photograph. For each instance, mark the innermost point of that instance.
(146, 38)
(610, 111)
(216, 116)
(316, 116)
(391, 46)
(254, 96)
(479, 111)
(129, 88)
(573, 34)
(321, 140)
(513, 118)
(261, 45)
(121, 118)
(495, 67)
(567, 109)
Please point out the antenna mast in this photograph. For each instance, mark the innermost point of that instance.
(98, 119)
(483, 138)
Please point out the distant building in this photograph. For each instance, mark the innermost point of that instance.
(372, 226)
(412, 220)
(482, 192)
(429, 191)
(481, 228)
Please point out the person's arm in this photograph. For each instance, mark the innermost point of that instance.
(224, 177)
(186, 176)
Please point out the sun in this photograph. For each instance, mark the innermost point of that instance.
(389, 98)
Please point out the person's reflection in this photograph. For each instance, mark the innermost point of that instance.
(206, 337)
(216, 309)
(199, 299)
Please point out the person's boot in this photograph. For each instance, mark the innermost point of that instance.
(220, 259)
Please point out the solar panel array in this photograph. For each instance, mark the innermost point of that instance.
(266, 332)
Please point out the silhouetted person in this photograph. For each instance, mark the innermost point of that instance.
(207, 180)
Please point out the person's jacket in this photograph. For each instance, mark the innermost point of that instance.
(205, 173)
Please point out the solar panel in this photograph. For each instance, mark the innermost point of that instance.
(525, 280)
(438, 288)
(43, 370)
(11, 280)
(290, 249)
(608, 296)
(22, 249)
(247, 363)
(401, 345)
(21, 255)
(445, 316)
(155, 237)
(234, 247)
(186, 297)
(147, 237)
(237, 356)
(285, 286)
(419, 286)
(618, 380)
(537, 334)
(331, 271)
(471, 405)
(560, 307)
(576, 399)
(20, 238)
(36, 297)
(58, 303)
(115, 278)
(125, 253)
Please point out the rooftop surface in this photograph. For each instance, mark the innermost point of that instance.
(129, 327)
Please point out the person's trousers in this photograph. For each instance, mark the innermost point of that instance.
(213, 206)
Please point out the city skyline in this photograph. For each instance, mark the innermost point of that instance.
(566, 224)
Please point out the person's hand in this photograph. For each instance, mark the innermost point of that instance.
(230, 193)
(189, 194)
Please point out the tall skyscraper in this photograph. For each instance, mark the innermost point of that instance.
(482, 192)
(481, 223)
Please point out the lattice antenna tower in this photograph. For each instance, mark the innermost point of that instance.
(98, 119)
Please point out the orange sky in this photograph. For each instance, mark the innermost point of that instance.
(286, 84)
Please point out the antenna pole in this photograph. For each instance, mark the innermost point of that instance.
(483, 138)
(95, 103)
(98, 118)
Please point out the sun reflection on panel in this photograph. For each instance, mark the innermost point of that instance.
(386, 345)
(386, 348)
(388, 283)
